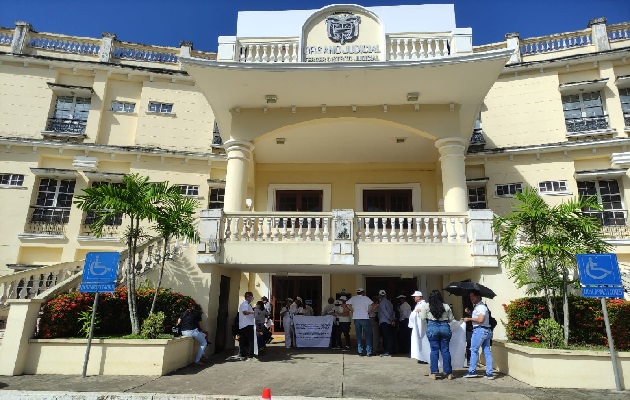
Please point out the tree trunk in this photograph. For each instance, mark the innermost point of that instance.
(159, 283)
(565, 305)
(131, 290)
(547, 294)
(130, 271)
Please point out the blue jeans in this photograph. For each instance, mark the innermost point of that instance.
(480, 338)
(199, 337)
(439, 335)
(361, 326)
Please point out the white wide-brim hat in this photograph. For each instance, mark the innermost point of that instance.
(401, 296)
(343, 298)
(417, 293)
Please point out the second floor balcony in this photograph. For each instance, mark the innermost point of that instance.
(586, 124)
(61, 127)
(47, 221)
(401, 242)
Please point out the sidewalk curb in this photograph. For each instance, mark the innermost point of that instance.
(41, 395)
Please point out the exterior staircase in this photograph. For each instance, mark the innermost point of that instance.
(48, 281)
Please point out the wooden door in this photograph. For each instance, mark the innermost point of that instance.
(222, 314)
(306, 287)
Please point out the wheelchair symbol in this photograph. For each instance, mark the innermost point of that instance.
(596, 272)
(97, 269)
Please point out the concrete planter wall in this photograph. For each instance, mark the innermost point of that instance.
(109, 356)
(560, 368)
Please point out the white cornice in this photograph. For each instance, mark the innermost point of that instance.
(430, 62)
(550, 148)
(101, 148)
(620, 160)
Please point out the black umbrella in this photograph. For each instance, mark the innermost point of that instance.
(463, 288)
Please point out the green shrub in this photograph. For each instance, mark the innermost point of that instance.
(85, 319)
(550, 333)
(586, 322)
(153, 326)
(61, 314)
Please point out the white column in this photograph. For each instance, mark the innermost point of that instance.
(239, 153)
(599, 35)
(453, 173)
(107, 46)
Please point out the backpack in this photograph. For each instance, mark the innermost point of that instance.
(491, 319)
(493, 322)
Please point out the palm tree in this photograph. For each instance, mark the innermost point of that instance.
(135, 199)
(174, 218)
(539, 243)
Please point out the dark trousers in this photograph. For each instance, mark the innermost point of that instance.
(333, 336)
(246, 341)
(404, 337)
(344, 327)
(387, 332)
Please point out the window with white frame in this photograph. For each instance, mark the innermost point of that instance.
(608, 195)
(71, 114)
(164, 108)
(54, 199)
(584, 112)
(508, 189)
(11, 180)
(548, 187)
(121, 106)
(624, 97)
(477, 198)
(217, 196)
(190, 190)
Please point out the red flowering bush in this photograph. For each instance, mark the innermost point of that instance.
(60, 317)
(586, 323)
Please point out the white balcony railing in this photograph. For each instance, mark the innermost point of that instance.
(276, 226)
(417, 48)
(412, 227)
(618, 31)
(268, 52)
(64, 44)
(557, 42)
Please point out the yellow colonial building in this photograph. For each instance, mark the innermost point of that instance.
(330, 149)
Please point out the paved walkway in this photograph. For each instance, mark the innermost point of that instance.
(295, 374)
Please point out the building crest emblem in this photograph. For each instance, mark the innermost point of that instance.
(342, 28)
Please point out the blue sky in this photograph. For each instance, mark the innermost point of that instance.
(167, 22)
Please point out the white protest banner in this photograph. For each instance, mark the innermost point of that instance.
(313, 331)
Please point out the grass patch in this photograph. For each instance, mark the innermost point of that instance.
(587, 347)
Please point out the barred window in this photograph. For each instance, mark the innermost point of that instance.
(552, 187)
(477, 198)
(11, 179)
(217, 196)
(123, 107)
(91, 215)
(165, 108)
(190, 190)
(69, 107)
(508, 189)
(608, 195)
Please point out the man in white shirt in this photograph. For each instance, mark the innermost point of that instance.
(481, 337)
(246, 326)
(360, 306)
(404, 333)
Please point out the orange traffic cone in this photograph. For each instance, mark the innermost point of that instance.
(266, 394)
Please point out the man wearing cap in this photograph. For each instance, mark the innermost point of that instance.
(419, 342)
(404, 333)
(286, 313)
(360, 306)
(386, 320)
(343, 316)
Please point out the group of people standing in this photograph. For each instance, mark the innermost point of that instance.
(290, 309)
(254, 325)
(428, 322)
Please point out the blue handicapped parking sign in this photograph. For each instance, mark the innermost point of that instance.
(599, 269)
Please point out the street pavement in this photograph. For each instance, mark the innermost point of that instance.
(291, 374)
